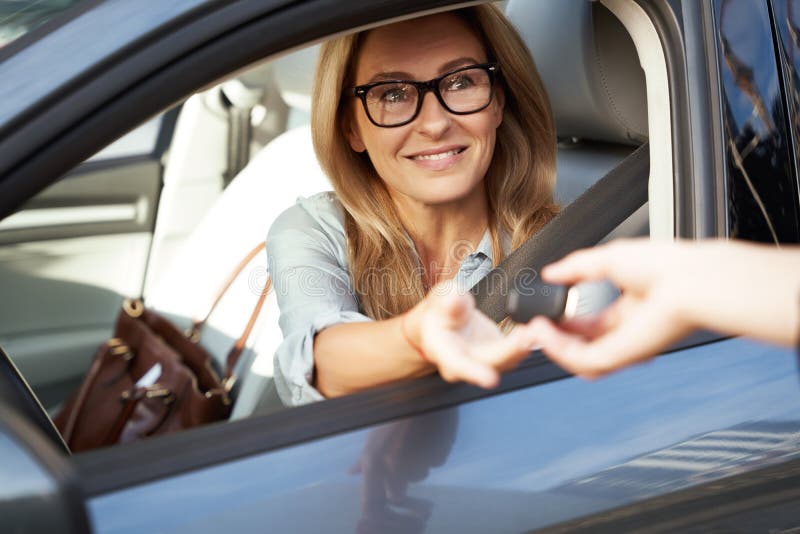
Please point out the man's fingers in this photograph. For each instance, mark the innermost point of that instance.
(580, 266)
(589, 327)
(634, 340)
(596, 263)
(565, 348)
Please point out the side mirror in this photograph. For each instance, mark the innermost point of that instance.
(38, 486)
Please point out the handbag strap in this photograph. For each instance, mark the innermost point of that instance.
(236, 351)
(238, 347)
(198, 324)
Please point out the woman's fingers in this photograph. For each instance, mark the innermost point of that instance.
(450, 355)
(506, 351)
(459, 308)
(455, 306)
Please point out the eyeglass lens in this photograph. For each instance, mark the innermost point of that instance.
(465, 91)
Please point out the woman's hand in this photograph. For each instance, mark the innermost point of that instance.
(463, 343)
(669, 290)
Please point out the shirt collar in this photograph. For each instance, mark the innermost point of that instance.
(484, 248)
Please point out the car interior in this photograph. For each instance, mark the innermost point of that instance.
(166, 212)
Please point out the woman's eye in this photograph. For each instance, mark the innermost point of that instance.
(459, 83)
(394, 95)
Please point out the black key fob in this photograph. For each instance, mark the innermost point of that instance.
(540, 298)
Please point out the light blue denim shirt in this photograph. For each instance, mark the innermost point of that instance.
(307, 258)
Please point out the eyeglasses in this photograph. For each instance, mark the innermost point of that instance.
(462, 91)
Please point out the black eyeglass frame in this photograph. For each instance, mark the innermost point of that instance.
(360, 92)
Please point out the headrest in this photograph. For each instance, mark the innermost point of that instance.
(294, 76)
(589, 66)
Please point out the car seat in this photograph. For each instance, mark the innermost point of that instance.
(590, 68)
(271, 182)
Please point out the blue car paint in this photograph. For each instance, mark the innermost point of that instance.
(521, 460)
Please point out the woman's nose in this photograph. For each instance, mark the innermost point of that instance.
(433, 119)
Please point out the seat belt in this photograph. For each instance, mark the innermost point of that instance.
(239, 100)
(583, 223)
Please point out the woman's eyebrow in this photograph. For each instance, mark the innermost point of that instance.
(394, 75)
(399, 75)
(460, 62)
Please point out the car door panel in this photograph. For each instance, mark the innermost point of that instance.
(520, 460)
(71, 254)
(66, 294)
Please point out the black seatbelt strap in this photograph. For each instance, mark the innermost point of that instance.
(239, 99)
(239, 135)
(583, 223)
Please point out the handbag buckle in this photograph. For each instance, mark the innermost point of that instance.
(133, 307)
(193, 334)
(228, 383)
(151, 392)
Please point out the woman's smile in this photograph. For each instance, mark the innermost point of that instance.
(438, 159)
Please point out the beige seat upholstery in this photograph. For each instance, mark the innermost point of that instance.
(590, 68)
(283, 170)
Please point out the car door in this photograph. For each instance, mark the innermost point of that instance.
(541, 450)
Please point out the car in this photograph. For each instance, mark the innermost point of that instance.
(144, 146)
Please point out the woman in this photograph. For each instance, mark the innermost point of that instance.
(434, 182)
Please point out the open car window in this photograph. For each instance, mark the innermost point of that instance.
(165, 213)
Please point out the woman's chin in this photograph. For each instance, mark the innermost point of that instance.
(442, 193)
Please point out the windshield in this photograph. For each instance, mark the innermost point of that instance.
(18, 17)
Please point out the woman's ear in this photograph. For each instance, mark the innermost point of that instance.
(354, 136)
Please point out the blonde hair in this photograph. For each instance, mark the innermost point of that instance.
(384, 270)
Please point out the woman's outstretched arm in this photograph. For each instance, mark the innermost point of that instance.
(444, 333)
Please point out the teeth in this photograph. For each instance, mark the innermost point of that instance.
(440, 155)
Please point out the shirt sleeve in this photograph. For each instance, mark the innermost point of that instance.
(306, 262)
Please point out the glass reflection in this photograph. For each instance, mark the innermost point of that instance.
(761, 189)
(787, 20)
(394, 456)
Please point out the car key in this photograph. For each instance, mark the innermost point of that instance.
(540, 298)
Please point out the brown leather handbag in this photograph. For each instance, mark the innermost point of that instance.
(151, 378)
